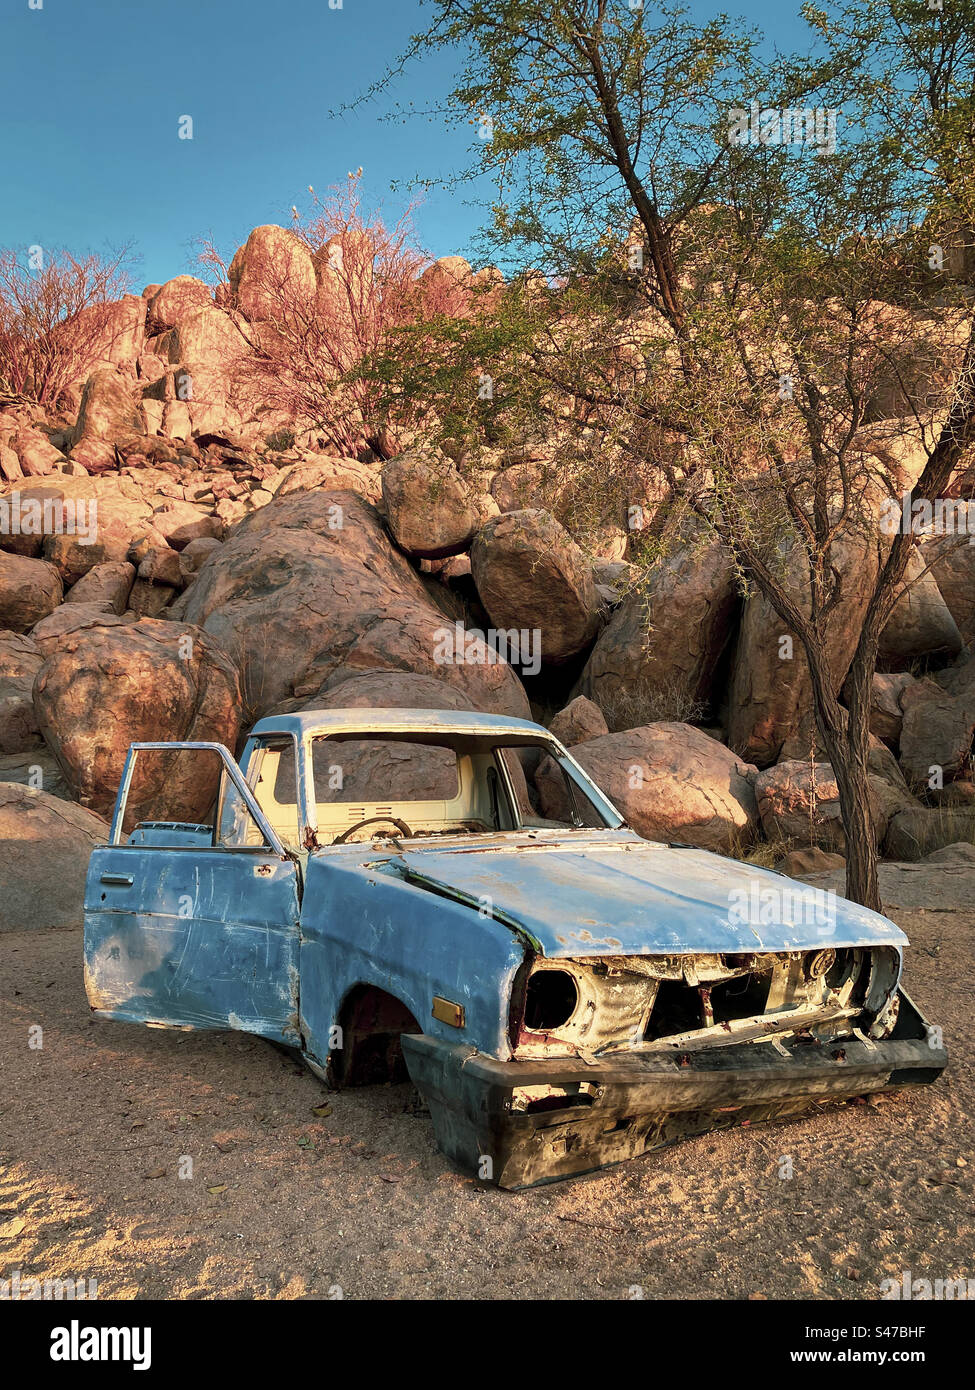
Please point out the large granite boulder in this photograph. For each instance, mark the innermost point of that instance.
(770, 684)
(531, 575)
(20, 661)
(938, 725)
(657, 655)
(886, 713)
(952, 560)
(580, 721)
(178, 299)
(429, 508)
(921, 623)
(45, 845)
(670, 782)
(272, 274)
(917, 832)
(380, 770)
(329, 473)
(801, 801)
(29, 591)
(309, 587)
(110, 684)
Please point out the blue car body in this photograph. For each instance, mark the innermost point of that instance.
(450, 951)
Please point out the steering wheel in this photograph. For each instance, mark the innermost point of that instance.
(401, 826)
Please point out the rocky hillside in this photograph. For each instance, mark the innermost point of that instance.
(176, 561)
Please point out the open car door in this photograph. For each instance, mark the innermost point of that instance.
(195, 925)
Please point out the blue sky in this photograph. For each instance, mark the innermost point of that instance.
(94, 91)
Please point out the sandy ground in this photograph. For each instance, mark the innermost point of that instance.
(358, 1203)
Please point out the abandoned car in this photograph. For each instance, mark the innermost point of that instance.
(448, 895)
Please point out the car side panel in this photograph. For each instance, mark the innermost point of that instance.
(361, 925)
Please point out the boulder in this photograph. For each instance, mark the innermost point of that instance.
(114, 333)
(670, 782)
(84, 521)
(205, 352)
(938, 725)
(961, 792)
(73, 556)
(331, 474)
(429, 508)
(886, 714)
(531, 575)
(175, 301)
(192, 556)
(110, 411)
(109, 685)
(580, 721)
(10, 469)
(35, 452)
(310, 585)
(160, 565)
(20, 661)
(952, 560)
(29, 591)
(803, 863)
(959, 853)
(272, 274)
(36, 768)
(148, 599)
(921, 623)
(45, 845)
(657, 655)
(446, 287)
(524, 485)
(801, 801)
(770, 684)
(73, 617)
(109, 583)
(917, 832)
(180, 522)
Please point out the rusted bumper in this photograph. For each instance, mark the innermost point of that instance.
(521, 1123)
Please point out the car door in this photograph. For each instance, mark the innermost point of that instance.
(195, 926)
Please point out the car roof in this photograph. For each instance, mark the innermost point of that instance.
(311, 722)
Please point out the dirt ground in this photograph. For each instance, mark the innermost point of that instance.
(283, 1203)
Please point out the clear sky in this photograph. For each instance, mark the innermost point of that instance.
(94, 90)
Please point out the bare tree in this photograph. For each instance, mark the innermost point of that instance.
(57, 318)
(315, 335)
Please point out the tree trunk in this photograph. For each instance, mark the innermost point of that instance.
(847, 743)
(850, 771)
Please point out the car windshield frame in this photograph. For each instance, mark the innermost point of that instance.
(578, 782)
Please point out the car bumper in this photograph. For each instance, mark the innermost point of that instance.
(525, 1122)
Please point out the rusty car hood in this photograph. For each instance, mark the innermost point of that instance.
(611, 893)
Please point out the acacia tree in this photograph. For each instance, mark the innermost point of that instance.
(737, 308)
(56, 318)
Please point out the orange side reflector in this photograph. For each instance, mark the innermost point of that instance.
(448, 1012)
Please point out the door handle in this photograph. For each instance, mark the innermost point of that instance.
(125, 880)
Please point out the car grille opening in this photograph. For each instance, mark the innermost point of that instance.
(677, 1009)
(741, 997)
(683, 1008)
